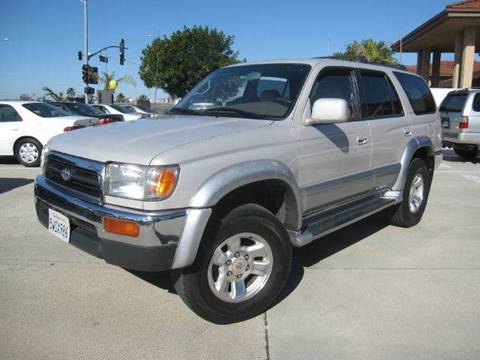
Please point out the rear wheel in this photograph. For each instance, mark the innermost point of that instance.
(467, 153)
(28, 152)
(415, 194)
(241, 268)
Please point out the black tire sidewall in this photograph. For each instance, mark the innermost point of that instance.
(468, 154)
(257, 221)
(33, 142)
(417, 166)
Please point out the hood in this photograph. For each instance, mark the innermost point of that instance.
(138, 142)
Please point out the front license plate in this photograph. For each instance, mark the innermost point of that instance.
(59, 225)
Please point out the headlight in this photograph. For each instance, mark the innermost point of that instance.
(140, 182)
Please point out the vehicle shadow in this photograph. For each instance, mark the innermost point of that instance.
(450, 156)
(7, 184)
(304, 257)
(8, 160)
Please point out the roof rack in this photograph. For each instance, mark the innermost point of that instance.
(363, 60)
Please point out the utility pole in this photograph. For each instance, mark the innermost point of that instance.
(85, 41)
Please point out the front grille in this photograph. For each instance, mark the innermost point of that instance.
(81, 179)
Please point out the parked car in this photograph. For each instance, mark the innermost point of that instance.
(88, 110)
(140, 110)
(280, 154)
(460, 115)
(114, 109)
(25, 127)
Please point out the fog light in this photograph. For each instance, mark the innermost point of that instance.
(121, 227)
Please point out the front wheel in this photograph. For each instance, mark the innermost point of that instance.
(415, 194)
(240, 269)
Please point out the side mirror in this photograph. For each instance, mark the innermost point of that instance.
(329, 111)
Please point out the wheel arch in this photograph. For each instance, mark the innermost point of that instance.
(419, 147)
(23, 137)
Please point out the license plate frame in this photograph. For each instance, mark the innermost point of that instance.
(445, 123)
(59, 225)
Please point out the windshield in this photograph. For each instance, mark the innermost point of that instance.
(46, 110)
(454, 102)
(266, 91)
(124, 108)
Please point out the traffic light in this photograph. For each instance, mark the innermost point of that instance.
(85, 73)
(80, 56)
(93, 75)
(122, 52)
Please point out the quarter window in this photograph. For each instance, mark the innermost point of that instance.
(476, 103)
(334, 83)
(418, 93)
(8, 114)
(379, 96)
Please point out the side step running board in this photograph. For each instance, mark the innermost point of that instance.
(332, 220)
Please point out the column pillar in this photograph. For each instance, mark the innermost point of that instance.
(457, 61)
(419, 62)
(437, 56)
(468, 54)
(425, 64)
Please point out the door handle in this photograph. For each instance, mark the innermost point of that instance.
(362, 140)
(407, 132)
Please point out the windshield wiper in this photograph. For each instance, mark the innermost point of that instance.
(183, 111)
(225, 109)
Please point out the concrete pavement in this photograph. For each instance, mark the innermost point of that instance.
(369, 291)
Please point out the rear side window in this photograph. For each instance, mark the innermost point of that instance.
(418, 93)
(8, 114)
(45, 110)
(476, 103)
(454, 102)
(379, 98)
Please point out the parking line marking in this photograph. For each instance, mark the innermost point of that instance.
(474, 178)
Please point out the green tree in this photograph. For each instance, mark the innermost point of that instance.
(125, 79)
(143, 98)
(176, 63)
(55, 96)
(120, 98)
(71, 92)
(370, 50)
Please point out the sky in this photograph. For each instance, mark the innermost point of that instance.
(39, 39)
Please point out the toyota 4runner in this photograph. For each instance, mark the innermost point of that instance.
(255, 160)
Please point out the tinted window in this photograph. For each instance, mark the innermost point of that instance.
(454, 102)
(417, 92)
(476, 103)
(334, 83)
(264, 91)
(83, 109)
(8, 114)
(101, 109)
(123, 109)
(45, 110)
(379, 98)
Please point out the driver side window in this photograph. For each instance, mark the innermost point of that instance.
(335, 83)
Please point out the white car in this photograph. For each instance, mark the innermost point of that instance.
(25, 127)
(139, 110)
(115, 109)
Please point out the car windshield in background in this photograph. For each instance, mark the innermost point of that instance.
(454, 102)
(266, 91)
(124, 108)
(46, 110)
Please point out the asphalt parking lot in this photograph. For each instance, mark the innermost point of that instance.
(370, 291)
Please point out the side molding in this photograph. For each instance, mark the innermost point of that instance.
(235, 176)
(412, 146)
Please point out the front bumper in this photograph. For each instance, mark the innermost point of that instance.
(167, 240)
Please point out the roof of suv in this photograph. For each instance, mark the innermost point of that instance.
(322, 60)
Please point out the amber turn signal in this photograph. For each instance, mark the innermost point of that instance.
(121, 227)
(165, 182)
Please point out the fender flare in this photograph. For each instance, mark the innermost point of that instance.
(412, 146)
(235, 176)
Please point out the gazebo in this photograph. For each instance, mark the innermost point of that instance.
(455, 29)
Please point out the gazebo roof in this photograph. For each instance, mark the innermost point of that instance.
(439, 32)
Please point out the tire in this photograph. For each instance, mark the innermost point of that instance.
(466, 153)
(28, 152)
(409, 213)
(196, 286)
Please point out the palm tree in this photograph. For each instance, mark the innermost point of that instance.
(107, 77)
(377, 52)
(120, 98)
(71, 92)
(53, 94)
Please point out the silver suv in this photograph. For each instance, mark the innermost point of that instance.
(460, 115)
(257, 159)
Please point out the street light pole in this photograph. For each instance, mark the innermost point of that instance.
(85, 40)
